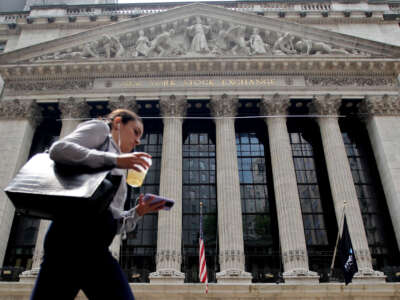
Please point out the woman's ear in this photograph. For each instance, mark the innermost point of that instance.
(117, 123)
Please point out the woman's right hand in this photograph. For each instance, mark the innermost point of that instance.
(132, 160)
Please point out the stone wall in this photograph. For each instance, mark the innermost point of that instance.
(331, 291)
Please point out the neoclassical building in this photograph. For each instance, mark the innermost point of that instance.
(280, 117)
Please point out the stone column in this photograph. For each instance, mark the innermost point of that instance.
(18, 120)
(290, 219)
(342, 186)
(383, 125)
(72, 112)
(169, 235)
(230, 229)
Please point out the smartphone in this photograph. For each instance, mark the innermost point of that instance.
(168, 202)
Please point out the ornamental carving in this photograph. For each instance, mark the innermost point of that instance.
(363, 256)
(173, 106)
(349, 81)
(381, 105)
(17, 110)
(297, 255)
(232, 257)
(224, 106)
(168, 256)
(327, 104)
(123, 102)
(73, 108)
(274, 105)
(198, 36)
(49, 85)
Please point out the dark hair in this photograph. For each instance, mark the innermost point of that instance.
(125, 114)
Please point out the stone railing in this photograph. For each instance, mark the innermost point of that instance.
(12, 17)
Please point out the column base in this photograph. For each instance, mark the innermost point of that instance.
(167, 276)
(234, 276)
(29, 276)
(368, 276)
(301, 276)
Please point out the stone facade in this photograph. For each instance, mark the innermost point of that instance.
(221, 55)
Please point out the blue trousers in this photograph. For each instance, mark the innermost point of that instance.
(76, 257)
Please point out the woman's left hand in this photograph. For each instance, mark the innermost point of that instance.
(145, 207)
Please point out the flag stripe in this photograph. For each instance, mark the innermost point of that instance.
(202, 257)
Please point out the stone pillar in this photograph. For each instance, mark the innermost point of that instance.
(169, 235)
(383, 125)
(342, 186)
(72, 112)
(230, 229)
(18, 120)
(290, 220)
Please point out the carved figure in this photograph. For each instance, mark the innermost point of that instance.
(284, 45)
(199, 42)
(235, 35)
(309, 47)
(110, 46)
(142, 44)
(163, 44)
(88, 50)
(257, 45)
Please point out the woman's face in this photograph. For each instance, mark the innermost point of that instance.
(130, 134)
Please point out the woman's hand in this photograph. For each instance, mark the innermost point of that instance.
(132, 160)
(146, 207)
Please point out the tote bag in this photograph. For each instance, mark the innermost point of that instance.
(47, 190)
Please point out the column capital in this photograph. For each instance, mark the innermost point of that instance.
(125, 102)
(327, 104)
(173, 106)
(382, 105)
(21, 109)
(73, 108)
(224, 105)
(274, 105)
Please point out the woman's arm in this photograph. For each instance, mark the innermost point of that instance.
(81, 146)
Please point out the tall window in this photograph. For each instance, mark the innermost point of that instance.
(314, 193)
(370, 194)
(199, 185)
(139, 250)
(260, 231)
(24, 229)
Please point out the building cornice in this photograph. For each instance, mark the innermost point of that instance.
(173, 67)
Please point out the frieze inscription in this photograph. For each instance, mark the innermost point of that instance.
(256, 82)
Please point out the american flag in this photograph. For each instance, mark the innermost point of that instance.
(202, 255)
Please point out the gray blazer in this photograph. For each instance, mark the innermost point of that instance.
(85, 146)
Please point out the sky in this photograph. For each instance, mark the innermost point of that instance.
(150, 1)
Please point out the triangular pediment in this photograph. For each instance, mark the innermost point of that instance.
(199, 30)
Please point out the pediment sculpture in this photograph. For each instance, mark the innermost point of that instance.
(198, 36)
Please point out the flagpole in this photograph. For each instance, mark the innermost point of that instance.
(338, 237)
